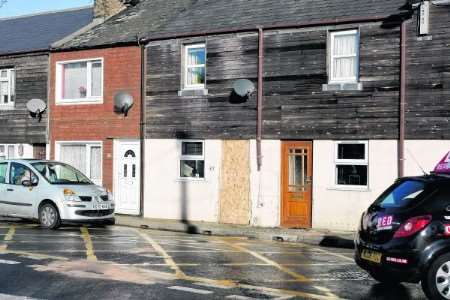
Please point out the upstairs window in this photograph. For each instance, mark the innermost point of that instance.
(344, 56)
(192, 160)
(80, 81)
(352, 164)
(195, 66)
(7, 87)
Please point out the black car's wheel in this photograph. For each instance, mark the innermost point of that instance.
(385, 278)
(49, 216)
(436, 281)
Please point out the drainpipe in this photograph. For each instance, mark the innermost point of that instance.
(142, 127)
(401, 142)
(260, 96)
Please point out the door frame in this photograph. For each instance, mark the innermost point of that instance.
(116, 143)
(282, 180)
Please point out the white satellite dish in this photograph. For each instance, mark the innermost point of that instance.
(123, 102)
(36, 107)
(243, 87)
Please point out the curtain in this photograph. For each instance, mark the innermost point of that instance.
(96, 84)
(74, 155)
(344, 56)
(96, 163)
(195, 62)
(75, 80)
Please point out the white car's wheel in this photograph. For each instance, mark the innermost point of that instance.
(49, 216)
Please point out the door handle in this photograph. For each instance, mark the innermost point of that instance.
(9, 190)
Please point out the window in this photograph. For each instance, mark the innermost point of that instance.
(20, 173)
(80, 81)
(401, 194)
(344, 56)
(192, 160)
(7, 87)
(8, 151)
(3, 168)
(352, 164)
(195, 66)
(85, 157)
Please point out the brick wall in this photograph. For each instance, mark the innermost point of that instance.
(99, 122)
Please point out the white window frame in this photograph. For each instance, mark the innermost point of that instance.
(5, 152)
(345, 162)
(89, 99)
(187, 86)
(190, 157)
(10, 80)
(88, 145)
(332, 57)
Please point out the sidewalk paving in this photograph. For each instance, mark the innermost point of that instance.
(341, 239)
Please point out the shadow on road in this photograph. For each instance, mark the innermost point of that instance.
(337, 242)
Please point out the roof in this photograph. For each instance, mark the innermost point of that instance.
(38, 31)
(154, 18)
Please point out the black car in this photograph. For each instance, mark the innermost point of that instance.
(404, 236)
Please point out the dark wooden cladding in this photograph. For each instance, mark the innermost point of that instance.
(295, 107)
(428, 78)
(16, 125)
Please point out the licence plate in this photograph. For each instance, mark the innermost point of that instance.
(100, 206)
(372, 256)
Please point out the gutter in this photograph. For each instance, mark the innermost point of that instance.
(259, 104)
(142, 127)
(402, 104)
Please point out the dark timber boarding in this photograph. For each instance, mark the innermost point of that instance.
(295, 107)
(428, 69)
(16, 125)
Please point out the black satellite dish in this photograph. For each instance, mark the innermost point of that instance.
(36, 107)
(123, 102)
(242, 89)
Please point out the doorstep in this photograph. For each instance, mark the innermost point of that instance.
(339, 239)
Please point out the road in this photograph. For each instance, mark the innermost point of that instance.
(127, 263)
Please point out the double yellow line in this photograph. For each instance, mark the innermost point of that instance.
(88, 244)
(8, 237)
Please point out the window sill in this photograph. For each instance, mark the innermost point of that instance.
(7, 107)
(193, 92)
(79, 101)
(349, 188)
(194, 180)
(349, 86)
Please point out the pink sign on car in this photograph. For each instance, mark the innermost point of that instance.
(443, 167)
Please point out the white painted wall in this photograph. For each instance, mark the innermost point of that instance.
(340, 209)
(426, 153)
(265, 185)
(164, 191)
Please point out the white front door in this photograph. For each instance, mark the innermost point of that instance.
(127, 176)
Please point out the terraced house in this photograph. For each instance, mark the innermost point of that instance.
(347, 97)
(24, 64)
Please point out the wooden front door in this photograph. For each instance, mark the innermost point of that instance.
(296, 181)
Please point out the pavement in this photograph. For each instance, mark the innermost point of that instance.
(326, 238)
(134, 263)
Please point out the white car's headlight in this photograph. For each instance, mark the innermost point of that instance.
(70, 195)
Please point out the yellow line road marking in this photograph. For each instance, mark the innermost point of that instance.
(10, 234)
(88, 244)
(335, 254)
(167, 258)
(272, 263)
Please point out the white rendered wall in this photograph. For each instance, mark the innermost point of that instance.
(337, 208)
(265, 185)
(427, 153)
(164, 192)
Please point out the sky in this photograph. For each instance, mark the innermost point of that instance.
(23, 7)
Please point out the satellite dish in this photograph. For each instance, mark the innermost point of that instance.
(243, 87)
(123, 102)
(36, 107)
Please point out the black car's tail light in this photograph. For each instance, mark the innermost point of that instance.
(412, 226)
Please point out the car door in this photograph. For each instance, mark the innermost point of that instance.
(3, 177)
(21, 199)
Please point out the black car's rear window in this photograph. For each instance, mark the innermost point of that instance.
(401, 194)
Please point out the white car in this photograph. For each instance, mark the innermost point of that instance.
(53, 193)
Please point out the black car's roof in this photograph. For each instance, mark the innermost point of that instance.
(431, 178)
